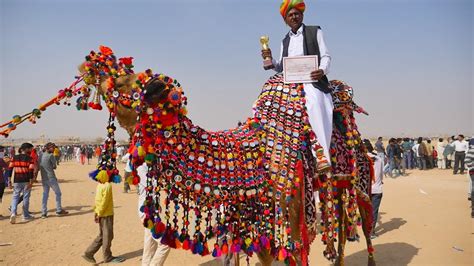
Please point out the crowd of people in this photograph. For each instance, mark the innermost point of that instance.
(455, 153)
(20, 168)
(402, 154)
(19, 171)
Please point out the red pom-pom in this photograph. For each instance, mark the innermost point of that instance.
(186, 244)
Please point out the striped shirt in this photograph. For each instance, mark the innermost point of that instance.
(23, 167)
(469, 160)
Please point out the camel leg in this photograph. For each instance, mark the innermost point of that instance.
(367, 230)
(236, 259)
(342, 228)
(294, 212)
(295, 209)
(265, 258)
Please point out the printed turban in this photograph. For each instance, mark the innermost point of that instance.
(287, 5)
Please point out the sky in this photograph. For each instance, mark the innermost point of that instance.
(410, 62)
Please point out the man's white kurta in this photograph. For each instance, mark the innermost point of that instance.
(318, 104)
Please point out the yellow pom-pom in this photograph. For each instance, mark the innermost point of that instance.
(248, 241)
(141, 151)
(150, 224)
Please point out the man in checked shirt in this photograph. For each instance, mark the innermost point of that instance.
(23, 171)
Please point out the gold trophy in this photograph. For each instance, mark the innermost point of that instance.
(267, 61)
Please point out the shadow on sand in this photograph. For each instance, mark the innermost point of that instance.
(386, 254)
(133, 254)
(73, 211)
(393, 224)
(67, 181)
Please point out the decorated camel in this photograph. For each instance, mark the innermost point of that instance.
(248, 189)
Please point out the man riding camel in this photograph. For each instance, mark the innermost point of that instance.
(309, 40)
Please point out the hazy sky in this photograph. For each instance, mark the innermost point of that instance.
(409, 61)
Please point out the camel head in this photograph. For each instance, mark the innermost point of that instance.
(126, 93)
(162, 99)
(342, 96)
(113, 81)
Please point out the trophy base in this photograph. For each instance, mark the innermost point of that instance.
(267, 64)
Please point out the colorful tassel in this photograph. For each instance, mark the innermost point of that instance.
(225, 247)
(186, 244)
(282, 254)
(116, 179)
(205, 250)
(217, 252)
(93, 174)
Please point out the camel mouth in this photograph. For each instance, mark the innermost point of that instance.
(155, 91)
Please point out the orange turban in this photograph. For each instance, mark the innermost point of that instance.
(287, 5)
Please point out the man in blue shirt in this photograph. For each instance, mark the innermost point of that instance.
(48, 179)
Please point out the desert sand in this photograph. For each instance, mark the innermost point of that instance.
(425, 220)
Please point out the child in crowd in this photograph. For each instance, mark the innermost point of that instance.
(104, 216)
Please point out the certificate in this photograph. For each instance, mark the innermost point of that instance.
(298, 69)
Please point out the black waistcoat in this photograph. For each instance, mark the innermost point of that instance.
(310, 47)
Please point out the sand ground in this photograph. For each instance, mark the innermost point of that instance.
(425, 220)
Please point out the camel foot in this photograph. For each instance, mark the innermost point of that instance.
(371, 261)
(339, 261)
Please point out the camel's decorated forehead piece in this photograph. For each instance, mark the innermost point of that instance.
(105, 63)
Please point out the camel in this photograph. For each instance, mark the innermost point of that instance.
(250, 187)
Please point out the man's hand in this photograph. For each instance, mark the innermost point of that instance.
(317, 74)
(267, 54)
(96, 218)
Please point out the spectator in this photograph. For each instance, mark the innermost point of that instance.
(377, 185)
(413, 154)
(127, 173)
(429, 154)
(35, 158)
(392, 154)
(399, 157)
(154, 253)
(83, 154)
(448, 152)
(380, 149)
(90, 152)
(422, 154)
(469, 161)
(104, 216)
(379, 146)
(49, 180)
(3, 168)
(441, 157)
(98, 151)
(23, 167)
(407, 153)
(57, 154)
(460, 149)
